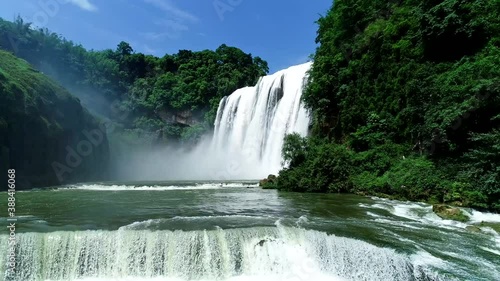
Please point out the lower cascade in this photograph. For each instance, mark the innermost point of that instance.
(260, 253)
(252, 122)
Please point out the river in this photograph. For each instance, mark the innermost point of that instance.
(237, 231)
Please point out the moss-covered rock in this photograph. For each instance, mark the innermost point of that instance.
(45, 133)
(268, 183)
(449, 213)
(473, 228)
(493, 225)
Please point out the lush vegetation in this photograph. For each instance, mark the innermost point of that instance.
(174, 97)
(42, 128)
(406, 102)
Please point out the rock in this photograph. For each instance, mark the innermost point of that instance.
(473, 228)
(269, 182)
(493, 225)
(262, 182)
(261, 242)
(449, 213)
(271, 178)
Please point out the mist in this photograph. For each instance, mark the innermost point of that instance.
(174, 162)
(246, 143)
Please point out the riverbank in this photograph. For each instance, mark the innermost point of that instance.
(388, 170)
(454, 210)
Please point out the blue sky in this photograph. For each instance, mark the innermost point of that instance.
(280, 31)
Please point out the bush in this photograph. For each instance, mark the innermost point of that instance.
(414, 178)
(323, 167)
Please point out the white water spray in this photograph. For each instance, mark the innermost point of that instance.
(250, 126)
(267, 253)
(252, 122)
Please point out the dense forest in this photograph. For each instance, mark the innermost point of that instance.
(405, 98)
(45, 133)
(169, 99)
(140, 101)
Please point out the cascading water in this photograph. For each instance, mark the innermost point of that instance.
(250, 127)
(252, 122)
(265, 253)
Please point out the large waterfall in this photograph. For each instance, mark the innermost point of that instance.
(250, 126)
(252, 122)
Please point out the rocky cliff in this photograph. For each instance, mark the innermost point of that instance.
(45, 133)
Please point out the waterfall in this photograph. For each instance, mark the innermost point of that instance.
(261, 253)
(252, 122)
(250, 126)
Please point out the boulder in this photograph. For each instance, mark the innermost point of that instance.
(449, 213)
(269, 182)
(493, 225)
(473, 228)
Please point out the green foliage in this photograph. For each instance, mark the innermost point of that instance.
(39, 120)
(322, 167)
(414, 178)
(148, 124)
(413, 89)
(294, 150)
(148, 89)
(269, 183)
(482, 167)
(193, 134)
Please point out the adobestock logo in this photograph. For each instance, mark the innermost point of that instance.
(223, 6)
(74, 157)
(84, 148)
(47, 9)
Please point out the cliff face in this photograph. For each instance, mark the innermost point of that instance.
(186, 117)
(45, 133)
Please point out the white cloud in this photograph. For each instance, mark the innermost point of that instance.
(154, 35)
(168, 7)
(173, 24)
(170, 29)
(84, 4)
(149, 50)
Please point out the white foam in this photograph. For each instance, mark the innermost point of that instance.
(491, 250)
(424, 258)
(303, 219)
(373, 215)
(495, 237)
(150, 222)
(398, 223)
(100, 187)
(476, 216)
(265, 253)
(417, 212)
(264, 277)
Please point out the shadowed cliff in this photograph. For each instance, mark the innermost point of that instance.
(45, 133)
